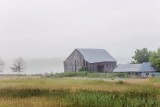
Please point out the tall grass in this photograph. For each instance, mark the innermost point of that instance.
(88, 98)
(65, 92)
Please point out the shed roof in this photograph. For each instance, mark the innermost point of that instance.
(144, 67)
(96, 55)
(147, 67)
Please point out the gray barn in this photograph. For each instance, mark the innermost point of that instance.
(92, 59)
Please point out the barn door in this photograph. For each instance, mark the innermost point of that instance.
(100, 68)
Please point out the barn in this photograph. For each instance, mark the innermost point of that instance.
(144, 69)
(95, 60)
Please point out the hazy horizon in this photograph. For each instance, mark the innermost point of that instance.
(46, 29)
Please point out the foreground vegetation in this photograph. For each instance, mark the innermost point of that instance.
(89, 74)
(79, 92)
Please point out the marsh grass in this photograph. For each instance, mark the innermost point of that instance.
(69, 92)
(88, 98)
(115, 99)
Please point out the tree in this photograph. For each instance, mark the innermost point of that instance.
(155, 59)
(141, 55)
(1, 65)
(18, 66)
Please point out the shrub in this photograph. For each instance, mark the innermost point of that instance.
(84, 69)
(120, 82)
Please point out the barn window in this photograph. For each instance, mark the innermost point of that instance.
(84, 62)
(75, 66)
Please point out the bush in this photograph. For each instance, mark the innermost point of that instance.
(119, 82)
(84, 69)
(122, 75)
(70, 74)
(89, 74)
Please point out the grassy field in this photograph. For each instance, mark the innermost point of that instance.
(78, 92)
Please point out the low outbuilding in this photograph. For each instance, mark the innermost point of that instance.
(143, 69)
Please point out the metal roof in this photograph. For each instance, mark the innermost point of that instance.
(96, 55)
(147, 67)
(144, 67)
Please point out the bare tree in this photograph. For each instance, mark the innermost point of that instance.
(19, 65)
(1, 65)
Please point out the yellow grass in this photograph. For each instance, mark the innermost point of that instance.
(74, 83)
(31, 102)
(65, 83)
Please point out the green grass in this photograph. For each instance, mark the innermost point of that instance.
(89, 75)
(88, 98)
(115, 99)
(155, 80)
(77, 92)
(70, 74)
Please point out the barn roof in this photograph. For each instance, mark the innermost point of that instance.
(96, 55)
(144, 67)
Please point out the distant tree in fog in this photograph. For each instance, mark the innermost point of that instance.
(18, 65)
(1, 65)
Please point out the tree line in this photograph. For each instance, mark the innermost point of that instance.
(145, 55)
(18, 65)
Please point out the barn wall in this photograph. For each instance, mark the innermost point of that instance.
(149, 74)
(108, 66)
(74, 62)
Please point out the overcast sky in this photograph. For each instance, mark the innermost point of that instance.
(54, 28)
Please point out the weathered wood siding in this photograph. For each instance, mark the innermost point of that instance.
(74, 62)
(108, 66)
